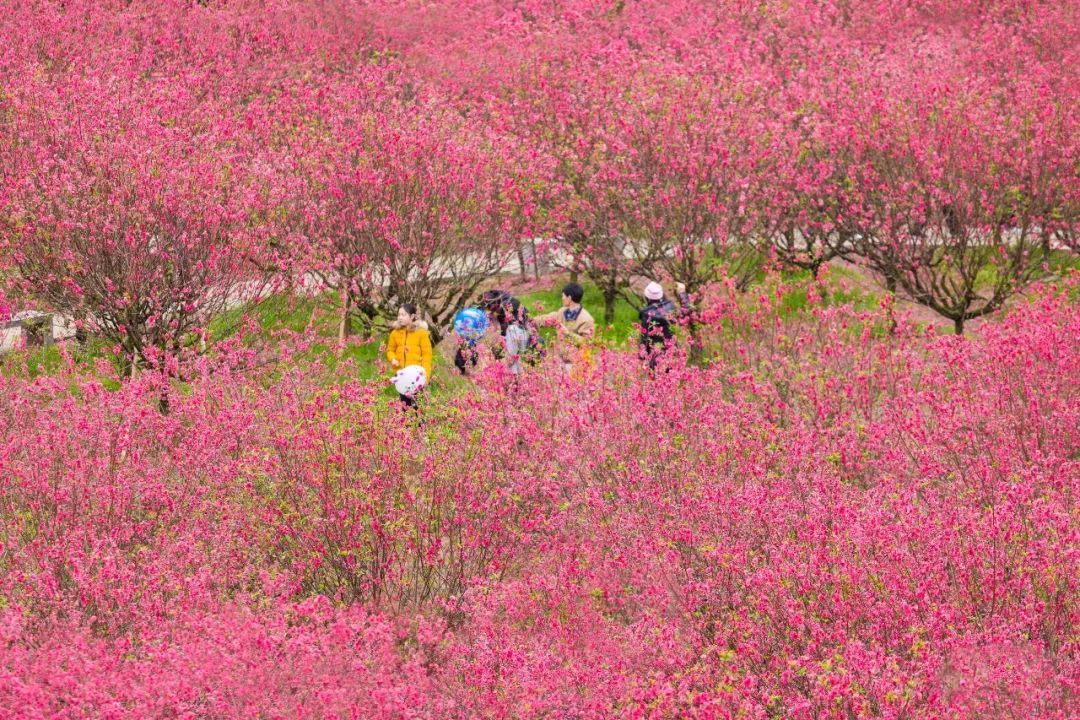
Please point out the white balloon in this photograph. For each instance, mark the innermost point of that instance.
(410, 380)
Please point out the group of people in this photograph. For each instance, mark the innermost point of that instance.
(519, 343)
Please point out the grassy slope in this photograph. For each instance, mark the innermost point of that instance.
(295, 314)
(615, 334)
(281, 312)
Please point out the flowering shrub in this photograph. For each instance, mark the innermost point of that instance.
(286, 662)
(832, 521)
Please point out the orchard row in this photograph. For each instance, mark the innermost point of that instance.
(161, 162)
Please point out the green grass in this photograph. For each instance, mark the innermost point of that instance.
(277, 312)
(293, 314)
(795, 300)
(47, 360)
(31, 362)
(618, 333)
(360, 359)
(1063, 262)
(357, 359)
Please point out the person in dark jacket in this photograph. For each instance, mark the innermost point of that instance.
(467, 356)
(656, 319)
(513, 318)
(510, 315)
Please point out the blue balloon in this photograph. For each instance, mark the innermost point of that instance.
(470, 323)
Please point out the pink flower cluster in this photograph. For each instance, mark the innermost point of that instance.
(830, 520)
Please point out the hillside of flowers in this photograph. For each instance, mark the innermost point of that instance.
(849, 487)
(832, 522)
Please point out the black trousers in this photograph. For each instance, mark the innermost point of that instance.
(464, 357)
(411, 402)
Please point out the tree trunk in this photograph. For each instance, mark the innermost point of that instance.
(958, 325)
(697, 347)
(345, 321)
(367, 314)
(814, 265)
(129, 363)
(521, 261)
(610, 294)
(536, 259)
(823, 292)
(577, 246)
(891, 312)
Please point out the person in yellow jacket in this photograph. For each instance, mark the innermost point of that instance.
(409, 344)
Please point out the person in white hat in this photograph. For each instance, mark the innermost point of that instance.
(655, 320)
